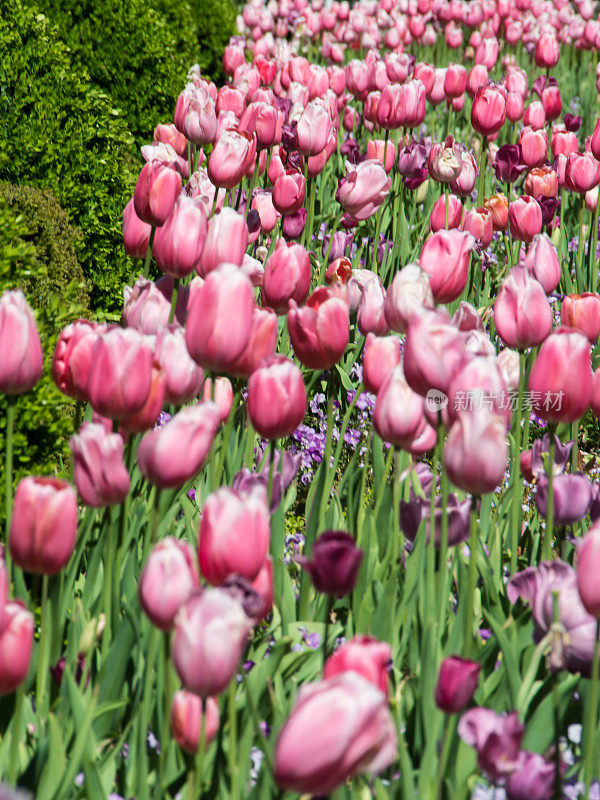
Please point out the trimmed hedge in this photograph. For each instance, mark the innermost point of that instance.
(38, 255)
(62, 133)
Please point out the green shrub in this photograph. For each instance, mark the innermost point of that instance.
(60, 132)
(38, 255)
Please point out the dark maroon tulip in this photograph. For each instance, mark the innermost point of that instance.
(572, 123)
(458, 513)
(335, 563)
(293, 224)
(508, 164)
(456, 684)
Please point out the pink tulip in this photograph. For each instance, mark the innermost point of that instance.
(552, 102)
(522, 313)
(289, 191)
(167, 581)
(234, 534)
(560, 381)
(535, 115)
(543, 263)
(376, 149)
(525, 218)
(409, 293)
(72, 357)
(226, 241)
(120, 375)
(588, 554)
(595, 141)
(22, 358)
(365, 655)
(313, 129)
(262, 201)
(437, 220)
(319, 331)
(445, 257)
(582, 312)
(496, 738)
(182, 376)
(286, 277)
(261, 344)
(156, 191)
(264, 121)
(515, 107)
(363, 190)
(432, 351)
(229, 158)
(478, 381)
(380, 356)
(161, 459)
(99, 472)
(178, 244)
(263, 586)
(488, 111)
(398, 416)
(16, 644)
(44, 525)
(168, 134)
(370, 317)
(478, 222)
(276, 397)
(477, 77)
(147, 416)
(455, 80)
(220, 318)
(186, 720)
(564, 142)
(534, 146)
(211, 630)
(195, 115)
(221, 394)
(582, 172)
(147, 305)
(464, 184)
(136, 233)
(476, 452)
(547, 51)
(338, 728)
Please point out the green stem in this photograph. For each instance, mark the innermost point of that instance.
(41, 696)
(442, 577)
(147, 699)
(482, 166)
(149, 252)
(328, 446)
(581, 247)
(472, 579)
(308, 228)
(17, 724)
(593, 260)
(8, 475)
(165, 736)
(328, 610)
(450, 724)
(549, 532)
(430, 558)
(109, 559)
(233, 765)
(271, 463)
(517, 495)
(376, 239)
(174, 300)
(591, 718)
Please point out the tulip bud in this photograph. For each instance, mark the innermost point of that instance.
(365, 655)
(220, 318)
(277, 377)
(289, 191)
(167, 581)
(525, 217)
(72, 357)
(522, 313)
(234, 534)
(186, 720)
(226, 241)
(572, 497)
(338, 728)
(478, 222)
(178, 244)
(588, 563)
(229, 158)
(456, 684)
(16, 644)
(476, 452)
(543, 263)
(488, 111)
(398, 416)
(410, 292)
(221, 395)
(380, 356)
(335, 563)
(22, 358)
(542, 181)
(160, 456)
(533, 779)
(432, 351)
(156, 191)
(498, 207)
(560, 381)
(286, 277)
(314, 129)
(181, 375)
(364, 188)
(319, 331)
(582, 312)
(211, 630)
(582, 172)
(44, 525)
(437, 219)
(445, 257)
(120, 375)
(147, 305)
(99, 472)
(136, 232)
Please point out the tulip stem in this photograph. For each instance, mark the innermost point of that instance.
(378, 216)
(149, 252)
(328, 610)
(517, 496)
(581, 247)
(593, 260)
(8, 474)
(592, 718)
(442, 578)
(44, 648)
(233, 765)
(109, 558)
(482, 166)
(430, 558)
(17, 723)
(308, 228)
(174, 300)
(326, 465)
(271, 462)
(446, 204)
(164, 737)
(450, 723)
(144, 720)
(549, 532)
(472, 579)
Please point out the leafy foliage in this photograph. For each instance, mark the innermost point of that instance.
(38, 255)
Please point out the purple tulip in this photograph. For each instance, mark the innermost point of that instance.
(293, 224)
(572, 123)
(335, 563)
(456, 684)
(561, 455)
(496, 738)
(549, 206)
(572, 497)
(458, 513)
(508, 164)
(532, 780)
(536, 586)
